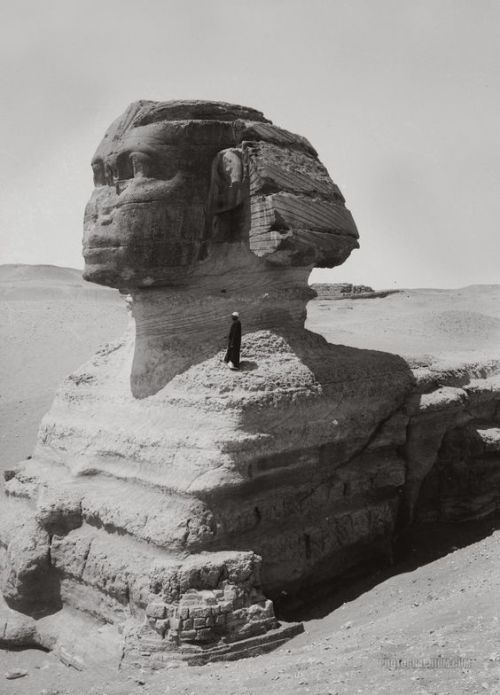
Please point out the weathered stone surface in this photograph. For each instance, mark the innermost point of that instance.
(17, 630)
(173, 498)
(26, 581)
(464, 481)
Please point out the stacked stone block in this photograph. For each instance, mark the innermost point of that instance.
(208, 616)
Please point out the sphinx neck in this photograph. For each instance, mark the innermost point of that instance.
(179, 327)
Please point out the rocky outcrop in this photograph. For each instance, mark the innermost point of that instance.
(460, 480)
(339, 290)
(346, 290)
(174, 499)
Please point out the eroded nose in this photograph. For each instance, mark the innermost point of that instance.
(107, 219)
(105, 211)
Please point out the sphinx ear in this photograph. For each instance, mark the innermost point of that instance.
(228, 181)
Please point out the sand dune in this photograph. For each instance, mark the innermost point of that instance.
(425, 326)
(15, 273)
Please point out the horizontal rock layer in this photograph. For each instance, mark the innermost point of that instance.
(296, 470)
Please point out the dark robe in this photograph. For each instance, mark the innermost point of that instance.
(234, 344)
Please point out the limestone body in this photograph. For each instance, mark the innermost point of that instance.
(176, 500)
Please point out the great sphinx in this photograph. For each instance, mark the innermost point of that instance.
(168, 497)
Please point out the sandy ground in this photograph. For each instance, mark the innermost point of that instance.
(425, 326)
(50, 323)
(433, 629)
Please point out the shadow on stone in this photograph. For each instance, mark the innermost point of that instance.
(248, 366)
(416, 547)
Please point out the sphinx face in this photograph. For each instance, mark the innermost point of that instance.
(145, 223)
(185, 187)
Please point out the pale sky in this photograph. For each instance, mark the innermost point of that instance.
(401, 98)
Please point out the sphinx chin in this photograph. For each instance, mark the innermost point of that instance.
(110, 267)
(133, 276)
(97, 273)
(121, 279)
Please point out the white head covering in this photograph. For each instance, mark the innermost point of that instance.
(235, 314)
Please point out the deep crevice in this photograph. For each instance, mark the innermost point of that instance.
(416, 546)
(8, 646)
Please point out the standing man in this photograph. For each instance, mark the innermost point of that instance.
(232, 357)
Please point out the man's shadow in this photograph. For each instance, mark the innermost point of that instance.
(248, 366)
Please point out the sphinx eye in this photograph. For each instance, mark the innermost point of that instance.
(124, 168)
(141, 164)
(98, 170)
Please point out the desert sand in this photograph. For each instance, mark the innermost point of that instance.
(441, 619)
(425, 326)
(51, 321)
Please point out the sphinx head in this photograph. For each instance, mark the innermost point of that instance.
(184, 189)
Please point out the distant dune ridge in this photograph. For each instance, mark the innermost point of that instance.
(34, 282)
(51, 274)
